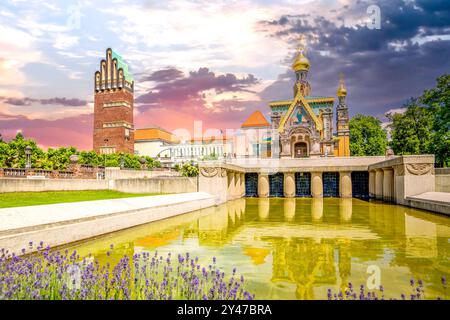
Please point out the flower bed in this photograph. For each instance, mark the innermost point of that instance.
(55, 275)
(417, 292)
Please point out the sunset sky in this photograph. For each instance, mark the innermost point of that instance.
(215, 61)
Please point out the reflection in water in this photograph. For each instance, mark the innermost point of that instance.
(289, 209)
(345, 209)
(298, 248)
(263, 208)
(317, 209)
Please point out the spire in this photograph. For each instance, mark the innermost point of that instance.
(301, 63)
(342, 91)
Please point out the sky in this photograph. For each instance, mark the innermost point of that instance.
(210, 61)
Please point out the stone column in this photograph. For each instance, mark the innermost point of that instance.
(242, 184)
(231, 186)
(388, 184)
(316, 185)
(372, 183)
(289, 185)
(379, 184)
(237, 185)
(345, 184)
(263, 185)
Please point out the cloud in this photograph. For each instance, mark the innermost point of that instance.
(382, 67)
(64, 41)
(174, 88)
(74, 102)
(71, 131)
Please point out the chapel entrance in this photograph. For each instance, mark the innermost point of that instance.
(300, 150)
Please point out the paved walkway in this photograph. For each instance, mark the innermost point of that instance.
(34, 216)
(433, 196)
(431, 201)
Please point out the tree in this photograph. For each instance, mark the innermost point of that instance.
(188, 169)
(367, 137)
(411, 132)
(438, 101)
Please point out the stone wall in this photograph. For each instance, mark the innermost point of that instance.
(218, 182)
(36, 185)
(443, 179)
(117, 173)
(155, 185)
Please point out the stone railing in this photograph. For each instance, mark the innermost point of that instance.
(73, 172)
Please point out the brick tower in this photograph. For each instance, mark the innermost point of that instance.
(113, 106)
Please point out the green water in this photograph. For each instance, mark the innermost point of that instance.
(298, 248)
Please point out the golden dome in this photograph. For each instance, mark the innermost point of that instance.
(342, 91)
(301, 63)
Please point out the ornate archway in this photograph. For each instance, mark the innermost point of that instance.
(300, 142)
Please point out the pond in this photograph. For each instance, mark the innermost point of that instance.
(299, 248)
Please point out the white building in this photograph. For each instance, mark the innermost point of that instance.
(158, 143)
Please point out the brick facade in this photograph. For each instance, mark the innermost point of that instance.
(113, 137)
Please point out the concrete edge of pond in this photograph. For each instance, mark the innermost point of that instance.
(65, 231)
(438, 202)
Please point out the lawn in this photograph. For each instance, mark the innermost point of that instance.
(21, 199)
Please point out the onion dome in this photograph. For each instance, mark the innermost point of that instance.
(342, 91)
(301, 63)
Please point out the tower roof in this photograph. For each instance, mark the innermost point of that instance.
(342, 91)
(301, 62)
(122, 65)
(154, 133)
(256, 119)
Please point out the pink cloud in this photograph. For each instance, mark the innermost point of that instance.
(72, 131)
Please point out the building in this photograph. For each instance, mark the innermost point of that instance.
(204, 148)
(113, 106)
(299, 127)
(303, 126)
(159, 143)
(254, 138)
(154, 142)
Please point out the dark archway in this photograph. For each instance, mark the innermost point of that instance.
(303, 184)
(330, 184)
(251, 184)
(276, 185)
(360, 184)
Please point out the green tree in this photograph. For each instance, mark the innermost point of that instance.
(438, 101)
(367, 137)
(411, 132)
(188, 169)
(14, 154)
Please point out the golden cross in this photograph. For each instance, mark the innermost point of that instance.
(341, 78)
(302, 46)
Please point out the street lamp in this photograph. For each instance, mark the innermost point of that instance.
(28, 157)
